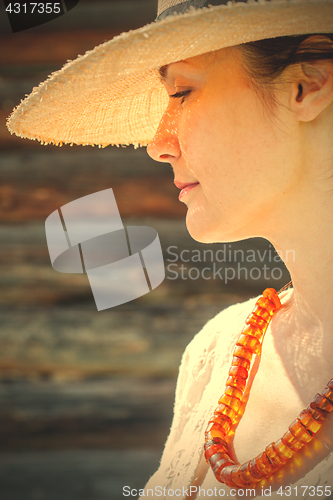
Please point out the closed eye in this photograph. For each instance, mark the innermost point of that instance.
(181, 95)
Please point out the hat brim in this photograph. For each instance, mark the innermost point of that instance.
(113, 96)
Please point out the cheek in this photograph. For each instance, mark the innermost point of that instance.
(231, 146)
(190, 131)
(210, 145)
(200, 139)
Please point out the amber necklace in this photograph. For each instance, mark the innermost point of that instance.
(300, 432)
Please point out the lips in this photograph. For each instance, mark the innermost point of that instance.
(185, 187)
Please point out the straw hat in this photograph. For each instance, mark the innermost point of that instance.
(112, 94)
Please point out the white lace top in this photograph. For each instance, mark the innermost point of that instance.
(202, 375)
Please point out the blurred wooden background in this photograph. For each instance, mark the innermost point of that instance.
(85, 396)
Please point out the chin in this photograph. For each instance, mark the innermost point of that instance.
(208, 233)
(202, 233)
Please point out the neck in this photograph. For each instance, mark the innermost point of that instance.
(304, 329)
(308, 255)
(303, 233)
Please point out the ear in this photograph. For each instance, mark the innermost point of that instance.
(312, 86)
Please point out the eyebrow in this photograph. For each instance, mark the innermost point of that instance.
(163, 70)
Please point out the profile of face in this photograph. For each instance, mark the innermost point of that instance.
(233, 159)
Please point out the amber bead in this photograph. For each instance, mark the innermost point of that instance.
(283, 451)
(309, 422)
(223, 421)
(245, 473)
(264, 465)
(242, 477)
(243, 352)
(328, 394)
(254, 471)
(237, 382)
(215, 431)
(272, 295)
(209, 452)
(234, 403)
(236, 476)
(330, 384)
(225, 476)
(220, 465)
(233, 392)
(213, 450)
(225, 410)
(245, 363)
(262, 313)
(222, 458)
(316, 413)
(238, 371)
(250, 343)
(322, 403)
(266, 460)
(267, 304)
(209, 435)
(254, 332)
(254, 320)
(273, 456)
(300, 432)
(221, 443)
(289, 440)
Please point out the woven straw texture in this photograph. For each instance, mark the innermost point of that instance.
(112, 94)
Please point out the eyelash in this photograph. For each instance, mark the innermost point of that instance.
(179, 95)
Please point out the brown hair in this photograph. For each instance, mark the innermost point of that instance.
(265, 60)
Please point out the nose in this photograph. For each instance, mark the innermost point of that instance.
(164, 146)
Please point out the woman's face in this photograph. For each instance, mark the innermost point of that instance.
(233, 161)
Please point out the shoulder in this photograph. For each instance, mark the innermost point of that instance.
(211, 349)
(221, 330)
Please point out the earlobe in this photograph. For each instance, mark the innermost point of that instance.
(312, 89)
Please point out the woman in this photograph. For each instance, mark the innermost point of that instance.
(247, 129)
